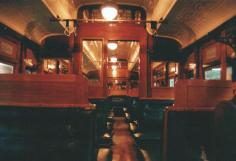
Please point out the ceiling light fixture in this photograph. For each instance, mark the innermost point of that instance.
(113, 59)
(109, 11)
(112, 45)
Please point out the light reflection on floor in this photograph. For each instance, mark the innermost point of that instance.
(145, 154)
(103, 154)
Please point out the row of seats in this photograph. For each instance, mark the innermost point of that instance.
(165, 134)
(189, 135)
(48, 134)
(145, 120)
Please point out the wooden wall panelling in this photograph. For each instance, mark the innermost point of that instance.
(149, 64)
(120, 73)
(211, 52)
(43, 89)
(117, 92)
(95, 90)
(116, 31)
(21, 58)
(9, 48)
(105, 67)
(133, 92)
(191, 94)
(9, 51)
(223, 63)
(163, 93)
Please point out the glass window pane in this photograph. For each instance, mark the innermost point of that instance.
(229, 73)
(213, 73)
(92, 59)
(6, 68)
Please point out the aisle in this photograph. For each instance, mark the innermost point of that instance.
(123, 148)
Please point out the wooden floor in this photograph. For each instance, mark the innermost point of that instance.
(123, 148)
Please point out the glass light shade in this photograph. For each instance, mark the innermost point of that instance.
(109, 11)
(112, 45)
(113, 59)
(51, 66)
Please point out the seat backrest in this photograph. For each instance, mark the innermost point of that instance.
(194, 94)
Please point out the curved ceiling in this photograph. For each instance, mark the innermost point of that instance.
(188, 20)
(29, 18)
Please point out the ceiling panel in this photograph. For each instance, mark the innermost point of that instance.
(190, 20)
(29, 18)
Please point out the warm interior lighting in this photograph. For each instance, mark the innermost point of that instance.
(192, 65)
(51, 66)
(176, 70)
(28, 62)
(172, 69)
(6, 69)
(112, 45)
(106, 135)
(113, 59)
(109, 11)
(113, 67)
(216, 69)
(114, 73)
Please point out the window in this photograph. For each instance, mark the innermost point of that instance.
(213, 73)
(164, 74)
(56, 66)
(229, 73)
(158, 74)
(172, 82)
(6, 68)
(92, 59)
(50, 66)
(190, 67)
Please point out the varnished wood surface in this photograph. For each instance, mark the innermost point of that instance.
(116, 31)
(201, 93)
(114, 92)
(134, 92)
(95, 92)
(124, 148)
(190, 109)
(163, 93)
(46, 105)
(43, 89)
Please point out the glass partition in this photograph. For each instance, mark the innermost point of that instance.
(123, 62)
(211, 62)
(159, 74)
(212, 73)
(230, 58)
(56, 66)
(6, 68)
(117, 84)
(164, 74)
(92, 59)
(30, 63)
(190, 67)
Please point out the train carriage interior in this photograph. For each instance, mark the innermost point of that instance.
(118, 80)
